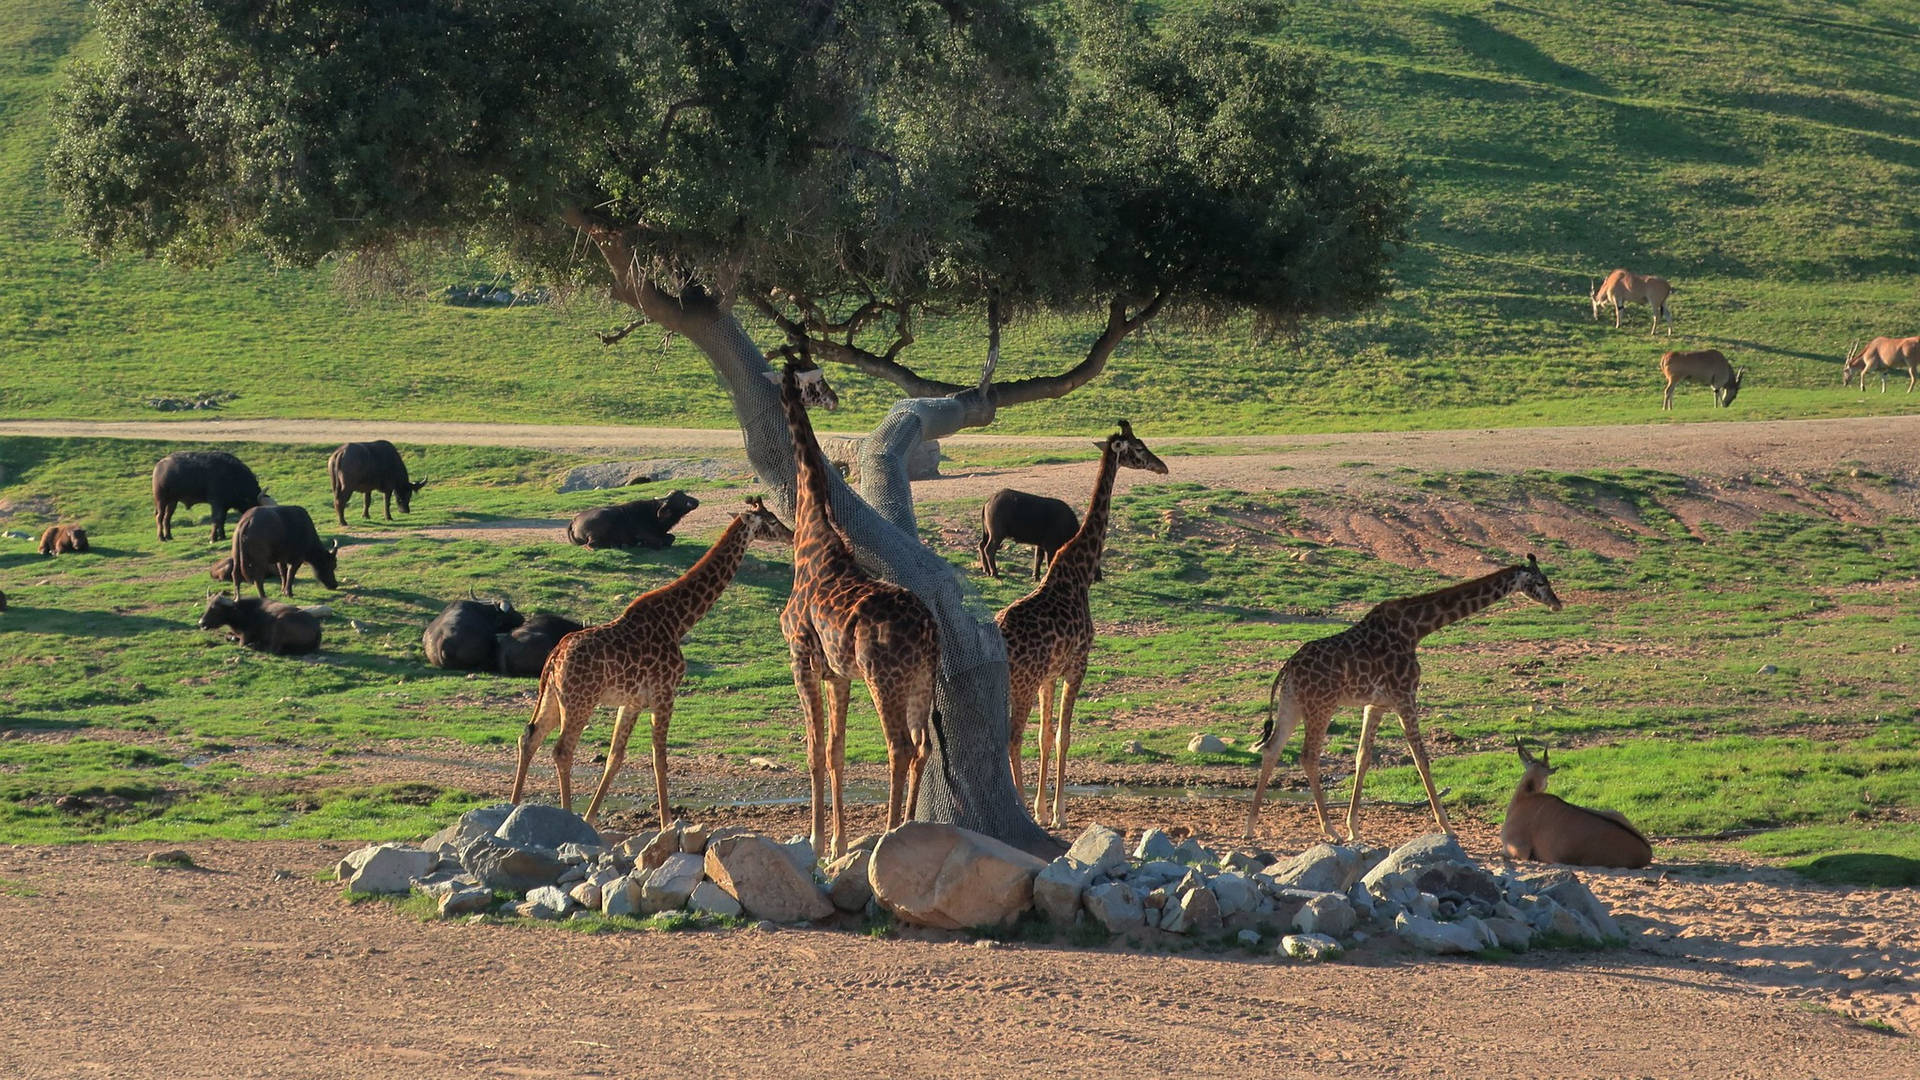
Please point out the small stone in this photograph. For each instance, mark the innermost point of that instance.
(545, 902)
(1132, 746)
(710, 899)
(1196, 911)
(1203, 743)
(693, 839)
(1154, 844)
(465, 901)
(767, 764)
(1192, 852)
(1327, 913)
(586, 894)
(671, 883)
(1512, 935)
(1768, 669)
(174, 857)
(1116, 906)
(848, 886)
(1249, 938)
(386, 868)
(1437, 938)
(1309, 947)
(800, 850)
(576, 872)
(1100, 848)
(1058, 887)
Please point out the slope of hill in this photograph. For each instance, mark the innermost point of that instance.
(1764, 155)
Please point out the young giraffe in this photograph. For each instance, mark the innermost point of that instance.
(842, 624)
(634, 663)
(1372, 664)
(1050, 630)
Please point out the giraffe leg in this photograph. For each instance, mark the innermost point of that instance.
(1369, 723)
(806, 680)
(1313, 741)
(546, 713)
(1288, 715)
(837, 692)
(623, 721)
(1046, 746)
(1410, 723)
(662, 716)
(572, 720)
(1063, 733)
(900, 754)
(921, 735)
(1020, 710)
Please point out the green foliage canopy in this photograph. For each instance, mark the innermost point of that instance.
(836, 162)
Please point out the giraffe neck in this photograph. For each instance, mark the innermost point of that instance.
(812, 507)
(691, 595)
(1423, 614)
(1074, 563)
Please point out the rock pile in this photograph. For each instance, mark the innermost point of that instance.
(1427, 895)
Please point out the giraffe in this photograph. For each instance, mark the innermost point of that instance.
(843, 624)
(1372, 664)
(1050, 630)
(634, 663)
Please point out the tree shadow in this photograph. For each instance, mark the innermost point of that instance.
(1515, 55)
(25, 619)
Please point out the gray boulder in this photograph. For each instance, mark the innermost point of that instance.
(1195, 911)
(546, 902)
(1058, 887)
(710, 899)
(1436, 864)
(1193, 853)
(539, 825)
(471, 826)
(760, 874)
(621, 896)
(465, 901)
(1438, 938)
(1309, 947)
(1116, 906)
(1568, 891)
(1154, 845)
(1100, 848)
(671, 883)
(498, 864)
(1236, 893)
(1322, 868)
(1327, 913)
(847, 884)
(1512, 935)
(385, 868)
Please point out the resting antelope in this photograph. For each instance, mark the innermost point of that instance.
(1546, 828)
(1624, 286)
(1883, 354)
(1707, 367)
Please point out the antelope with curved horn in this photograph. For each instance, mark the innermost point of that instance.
(1546, 828)
(1883, 354)
(1624, 287)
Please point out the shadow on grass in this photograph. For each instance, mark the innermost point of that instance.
(1863, 868)
(22, 619)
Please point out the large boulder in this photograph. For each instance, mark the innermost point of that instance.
(671, 883)
(1116, 906)
(1194, 911)
(1236, 892)
(539, 825)
(952, 878)
(1437, 864)
(1566, 890)
(1439, 938)
(1154, 845)
(758, 872)
(385, 868)
(1100, 848)
(498, 864)
(621, 896)
(1327, 913)
(1321, 868)
(1057, 889)
(472, 825)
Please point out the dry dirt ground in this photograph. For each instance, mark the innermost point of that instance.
(111, 968)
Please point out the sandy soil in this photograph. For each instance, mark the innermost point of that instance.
(108, 967)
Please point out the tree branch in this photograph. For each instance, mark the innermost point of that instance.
(617, 336)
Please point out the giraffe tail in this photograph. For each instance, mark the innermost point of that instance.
(1273, 710)
(946, 760)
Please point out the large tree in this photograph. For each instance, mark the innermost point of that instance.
(837, 169)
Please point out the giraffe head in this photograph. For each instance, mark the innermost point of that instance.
(1129, 452)
(1533, 582)
(762, 524)
(1534, 771)
(811, 382)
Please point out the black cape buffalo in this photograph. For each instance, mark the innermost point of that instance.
(524, 651)
(281, 537)
(463, 636)
(214, 477)
(267, 625)
(642, 523)
(367, 467)
(1021, 518)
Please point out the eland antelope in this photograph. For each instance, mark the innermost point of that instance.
(1625, 286)
(1883, 354)
(1707, 367)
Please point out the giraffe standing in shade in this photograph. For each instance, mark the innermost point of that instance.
(1050, 630)
(1372, 664)
(634, 663)
(843, 624)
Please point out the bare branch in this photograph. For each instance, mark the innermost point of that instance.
(619, 335)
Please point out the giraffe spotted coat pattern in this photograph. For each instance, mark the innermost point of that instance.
(1049, 631)
(1372, 664)
(634, 663)
(843, 624)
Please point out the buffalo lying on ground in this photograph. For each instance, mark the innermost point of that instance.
(367, 467)
(525, 650)
(267, 625)
(214, 477)
(280, 538)
(644, 523)
(464, 635)
(223, 571)
(59, 539)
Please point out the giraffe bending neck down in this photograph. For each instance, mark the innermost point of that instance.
(1372, 664)
(843, 624)
(634, 663)
(1049, 632)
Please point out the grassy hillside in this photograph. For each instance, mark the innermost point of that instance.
(1762, 155)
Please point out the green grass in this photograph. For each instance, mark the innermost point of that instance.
(1757, 154)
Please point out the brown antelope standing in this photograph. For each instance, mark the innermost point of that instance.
(1546, 828)
(1625, 286)
(1883, 354)
(1706, 367)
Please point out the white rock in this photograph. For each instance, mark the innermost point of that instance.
(1116, 906)
(1322, 868)
(1326, 913)
(1249, 938)
(671, 883)
(546, 902)
(1438, 938)
(949, 877)
(622, 895)
(386, 868)
(1204, 743)
(1309, 947)
(1099, 847)
(1236, 893)
(1153, 845)
(1058, 887)
(760, 874)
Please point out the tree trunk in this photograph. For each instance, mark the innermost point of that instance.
(972, 694)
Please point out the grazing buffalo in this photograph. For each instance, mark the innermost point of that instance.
(63, 538)
(367, 467)
(524, 651)
(281, 538)
(1016, 516)
(644, 523)
(267, 625)
(463, 636)
(214, 477)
